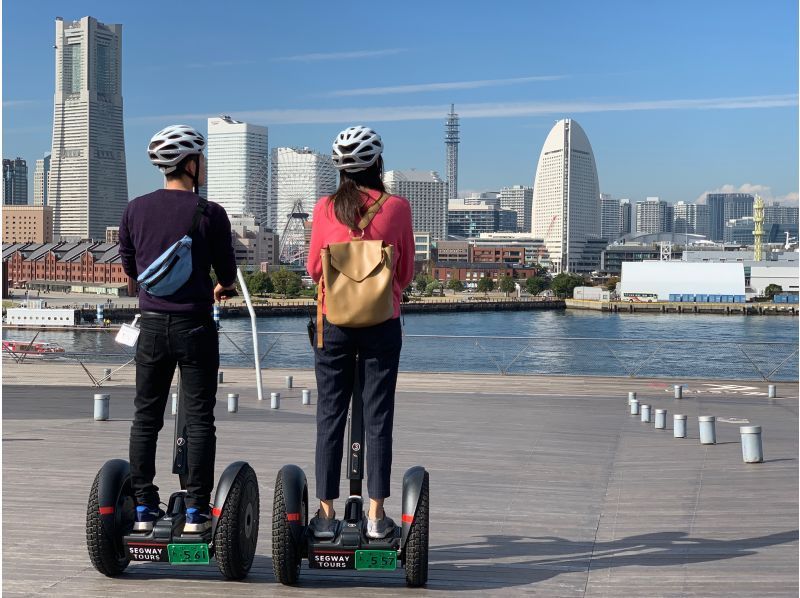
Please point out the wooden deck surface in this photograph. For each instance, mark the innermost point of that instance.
(539, 486)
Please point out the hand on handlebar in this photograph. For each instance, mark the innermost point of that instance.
(222, 293)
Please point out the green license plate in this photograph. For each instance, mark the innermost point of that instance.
(376, 559)
(188, 554)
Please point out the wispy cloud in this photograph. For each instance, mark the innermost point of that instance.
(445, 86)
(765, 191)
(20, 103)
(212, 64)
(488, 110)
(317, 56)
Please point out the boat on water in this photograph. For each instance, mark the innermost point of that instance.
(31, 349)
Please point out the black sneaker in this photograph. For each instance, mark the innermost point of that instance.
(322, 527)
(197, 521)
(146, 518)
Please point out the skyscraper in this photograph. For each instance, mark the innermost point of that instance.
(427, 194)
(624, 216)
(300, 176)
(690, 218)
(566, 195)
(652, 216)
(519, 199)
(238, 167)
(41, 174)
(451, 145)
(15, 182)
(88, 186)
(610, 214)
(723, 207)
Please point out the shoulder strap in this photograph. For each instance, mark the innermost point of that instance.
(373, 209)
(201, 207)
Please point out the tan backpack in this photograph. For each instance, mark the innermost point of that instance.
(357, 278)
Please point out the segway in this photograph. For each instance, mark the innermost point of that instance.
(113, 543)
(350, 548)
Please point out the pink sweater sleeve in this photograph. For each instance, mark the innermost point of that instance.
(405, 263)
(314, 262)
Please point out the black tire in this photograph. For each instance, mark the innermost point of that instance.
(106, 551)
(287, 556)
(236, 536)
(416, 549)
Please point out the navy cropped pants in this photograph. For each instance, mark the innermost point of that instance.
(378, 348)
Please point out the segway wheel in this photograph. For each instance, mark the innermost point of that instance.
(236, 535)
(416, 549)
(106, 551)
(286, 554)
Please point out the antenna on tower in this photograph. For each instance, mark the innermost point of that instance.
(451, 141)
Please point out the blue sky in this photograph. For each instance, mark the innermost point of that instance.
(677, 98)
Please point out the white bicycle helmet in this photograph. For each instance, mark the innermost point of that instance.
(356, 149)
(171, 145)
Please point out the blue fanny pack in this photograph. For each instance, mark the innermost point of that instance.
(172, 269)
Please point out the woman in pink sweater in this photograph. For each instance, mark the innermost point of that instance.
(357, 156)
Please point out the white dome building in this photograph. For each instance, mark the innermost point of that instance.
(566, 196)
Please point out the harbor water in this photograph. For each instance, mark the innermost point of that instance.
(558, 342)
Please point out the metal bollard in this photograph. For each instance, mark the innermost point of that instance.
(107, 373)
(678, 391)
(772, 391)
(220, 377)
(708, 432)
(679, 426)
(101, 407)
(646, 413)
(661, 419)
(275, 400)
(631, 396)
(174, 403)
(289, 380)
(233, 402)
(752, 451)
(634, 407)
(306, 397)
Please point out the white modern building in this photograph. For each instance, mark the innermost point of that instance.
(41, 174)
(473, 198)
(427, 193)
(653, 216)
(610, 218)
(520, 199)
(566, 195)
(88, 185)
(238, 167)
(672, 277)
(300, 176)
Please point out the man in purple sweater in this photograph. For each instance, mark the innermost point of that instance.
(177, 329)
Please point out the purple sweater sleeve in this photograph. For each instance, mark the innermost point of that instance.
(223, 258)
(127, 252)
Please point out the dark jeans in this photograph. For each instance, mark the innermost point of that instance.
(378, 348)
(190, 341)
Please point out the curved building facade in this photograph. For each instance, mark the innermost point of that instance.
(566, 196)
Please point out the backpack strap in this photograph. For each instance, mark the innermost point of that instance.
(201, 207)
(320, 321)
(371, 211)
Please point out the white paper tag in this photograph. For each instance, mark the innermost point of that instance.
(128, 334)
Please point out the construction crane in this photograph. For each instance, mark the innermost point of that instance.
(758, 228)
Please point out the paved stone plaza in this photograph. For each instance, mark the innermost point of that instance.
(541, 486)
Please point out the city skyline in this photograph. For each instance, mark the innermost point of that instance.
(650, 136)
